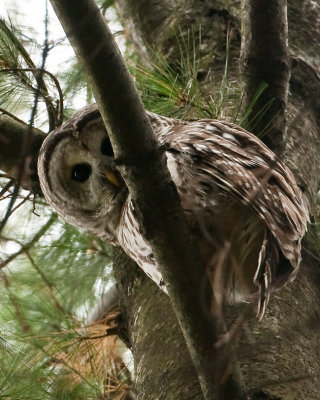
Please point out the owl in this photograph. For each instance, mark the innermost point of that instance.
(244, 208)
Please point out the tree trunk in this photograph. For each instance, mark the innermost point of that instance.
(162, 26)
(163, 367)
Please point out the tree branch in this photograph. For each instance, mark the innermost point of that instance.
(144, 169)
(265, 59)
(12, 136)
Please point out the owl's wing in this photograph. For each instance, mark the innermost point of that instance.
(236, 162)
(135, 245)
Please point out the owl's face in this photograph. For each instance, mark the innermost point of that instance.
(78, 178)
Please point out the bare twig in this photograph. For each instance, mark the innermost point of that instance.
(24, 199)
(6, 187)
(44, 94)
(9, 114)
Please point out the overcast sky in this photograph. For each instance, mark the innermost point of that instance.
(29, 15)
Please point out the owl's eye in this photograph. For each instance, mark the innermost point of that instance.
(106, 148)
(81, 172)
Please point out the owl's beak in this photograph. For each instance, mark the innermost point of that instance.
(112, 178)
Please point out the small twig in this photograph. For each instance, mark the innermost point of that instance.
(20, 204)
(41, 86)
(236, 327)
(6, 187)
(34, 206)
(15, 193)
(43, 93)
(7, 239)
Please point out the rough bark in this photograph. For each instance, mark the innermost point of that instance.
(12, 138)
(265, 59)
(149, 24)
(280, 355)
(302, 147)
(304, 31)
(162, 26)
(160, 353)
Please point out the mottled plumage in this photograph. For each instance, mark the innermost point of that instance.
(236, 194)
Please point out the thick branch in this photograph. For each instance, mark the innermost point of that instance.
(163, 368)
(143, 168)
(12, 136)
(265, 59)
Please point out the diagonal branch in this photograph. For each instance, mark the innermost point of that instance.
(144, 169)
(12, 137)
(265, 59)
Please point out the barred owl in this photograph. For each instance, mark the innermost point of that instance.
(234, 191)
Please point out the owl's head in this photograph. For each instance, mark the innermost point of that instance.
(77, 175)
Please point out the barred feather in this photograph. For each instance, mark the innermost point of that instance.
(235, 192)
(225, 159)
